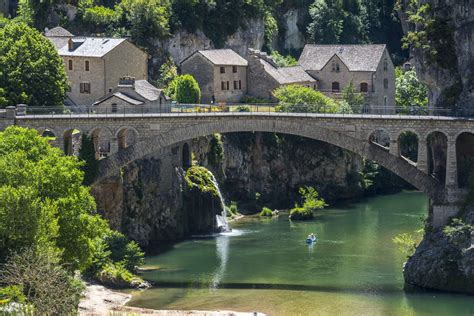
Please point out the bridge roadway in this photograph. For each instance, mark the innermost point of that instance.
(153, 133)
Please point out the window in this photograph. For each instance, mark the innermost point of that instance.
(222, 70)
(337, 67)
(335, 86)
(85, 87)
(385, 101)
(385, 83)
(86, 65)
(70, 64)
(240, 84)
(234, 69)
(315, 87)
(227, 85)
(385, 65)
(364, 87)
(114, 107)
(222, 85)
(235, 85)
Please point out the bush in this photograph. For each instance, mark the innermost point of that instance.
(283, 61)
(187, 90)
(117, 276)
(266, 212)
(242, 108)
(12, 294)
(311, 202)
(232, 210)
(124, 251)
(45, 283)
(301, 213)
(296, 98)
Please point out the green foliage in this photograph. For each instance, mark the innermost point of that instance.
(117, 276)
(296, 98)
(145, 19)
(377, 180)
(42, 201)
(283, 61)
(407, 243)
(10, 294)
(216, 150)
(99, 17)
(253, 100)
(355, 99)
(311, 203)
(124, 252)
(458, 229)
(266, 212)
(202, 179)
(168, 72)
(409, 92)
(88, 155)
(187, 90)
(242, 108)
(271, 27)
(45, 284)
(31, 70)
(232, 210)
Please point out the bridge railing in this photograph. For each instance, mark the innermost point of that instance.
(238, 109)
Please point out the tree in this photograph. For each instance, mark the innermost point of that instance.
(47, 285)
(168, 71)
(42, 201)
(296, 98)
(353, 98)
(88, 155)
(409, 91)
(31, 70)
(187, 90)
(327, 21)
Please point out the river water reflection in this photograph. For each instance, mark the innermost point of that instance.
(265, 265)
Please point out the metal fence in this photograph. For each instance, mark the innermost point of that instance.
(91, 111)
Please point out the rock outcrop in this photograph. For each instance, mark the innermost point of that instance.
(444, 260)
(450, 74)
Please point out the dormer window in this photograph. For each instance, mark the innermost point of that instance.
(69, 62)
(222, 70)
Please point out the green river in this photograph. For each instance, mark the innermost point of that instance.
(265, 265)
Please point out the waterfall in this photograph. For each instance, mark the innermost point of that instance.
(221, 220)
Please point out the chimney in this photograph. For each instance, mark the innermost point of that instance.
(70, 45)
(127, 82)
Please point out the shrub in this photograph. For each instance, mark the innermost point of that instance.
(242, 108)
(216, 150)
(10, 294)
(117, 276)
(283, 61)
(233, 209)
(124, 251)
(311, 202)
(296, 98)
(266, 212)
(187, 90)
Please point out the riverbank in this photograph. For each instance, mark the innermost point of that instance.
(99, 300)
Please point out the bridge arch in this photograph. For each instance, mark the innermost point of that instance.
(408, 141)
(126, 136)
(437, 144)
(102, 139)
(363, 148)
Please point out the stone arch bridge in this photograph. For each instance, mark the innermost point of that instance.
(122, 139)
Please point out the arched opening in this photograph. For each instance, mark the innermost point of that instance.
(101, 140)
(364, 87)
(72, 142)
(380, 137)
(465, 159)
(437, 144)
(335, 86)
(408, 145)
(48, 133)
(186, 159)
(127, 137)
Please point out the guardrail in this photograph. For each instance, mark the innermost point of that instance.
(91, 111)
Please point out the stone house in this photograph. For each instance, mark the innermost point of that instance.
(264, 76)
(59, 36)
(221, 74)
(95, 65)
(368, 67)
(134, 96)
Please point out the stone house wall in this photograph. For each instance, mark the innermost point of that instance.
(261, 83)
(203, 71)
(78, 74)
(234, 93)
(125, 60)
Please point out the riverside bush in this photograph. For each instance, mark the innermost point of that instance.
(117, 276)
(296, 98)
(266, 212)
(311, 202)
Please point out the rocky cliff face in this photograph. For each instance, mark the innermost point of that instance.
(264, 169)
(445, 258)
(150, 200)
(450, 74)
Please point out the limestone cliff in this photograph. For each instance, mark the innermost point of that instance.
(445, 258)
(450, 73)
